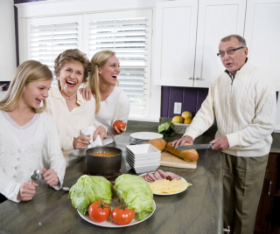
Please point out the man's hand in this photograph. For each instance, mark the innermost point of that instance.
(86, 93)
(220, 143)
(182, 141)
(26, 191)
(115, 131)
(81, 142)
(50, 176)
(101, 130)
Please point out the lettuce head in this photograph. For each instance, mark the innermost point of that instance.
(135, 193)
(89, 189)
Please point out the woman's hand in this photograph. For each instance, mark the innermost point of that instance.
(26, 191)
(50, 176)
(101, 130)
(182, 141)
(115, 131)
(86, 93)
(81, 142)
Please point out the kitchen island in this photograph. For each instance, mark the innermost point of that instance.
(196, 210)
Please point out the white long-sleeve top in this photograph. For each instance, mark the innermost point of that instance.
(17, 163)
(69, 123)
(245, 111)
(115, 107)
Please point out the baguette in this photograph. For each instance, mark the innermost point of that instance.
(157, 143)
(187, 155)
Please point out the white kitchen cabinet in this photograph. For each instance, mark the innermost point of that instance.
(216, 19)
(188, 35)
(175, 42)
(262, 33)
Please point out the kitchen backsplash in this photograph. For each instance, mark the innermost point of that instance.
(191, 99)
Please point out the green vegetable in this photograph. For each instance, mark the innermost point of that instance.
(167, 129)
(136, 193)
(89, 189)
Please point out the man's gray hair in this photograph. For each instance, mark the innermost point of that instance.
(241, 40)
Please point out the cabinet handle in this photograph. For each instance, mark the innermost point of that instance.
(270, 183)
(226, 230)
(191, 78)
(199, 78)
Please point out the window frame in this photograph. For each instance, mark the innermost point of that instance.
(56, 9)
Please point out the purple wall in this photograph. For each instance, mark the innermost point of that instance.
(191, 99)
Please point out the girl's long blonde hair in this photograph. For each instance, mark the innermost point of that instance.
(98, 60)
(28, 71)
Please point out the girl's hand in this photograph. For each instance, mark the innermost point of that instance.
(115, 131)
(86, 93)
(26, 191)
(50, 176)
(101, 130)
(81, 142)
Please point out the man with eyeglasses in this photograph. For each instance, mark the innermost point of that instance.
(242, 100)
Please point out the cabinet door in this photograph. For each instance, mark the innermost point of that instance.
(175, 42)
(262, 32)
(261, 225)
(216, 19)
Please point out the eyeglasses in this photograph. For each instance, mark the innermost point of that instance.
(229, 52)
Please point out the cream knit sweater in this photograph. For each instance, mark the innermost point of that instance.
(245, 111)
(17, 164)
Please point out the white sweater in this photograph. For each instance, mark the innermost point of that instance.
(244, 109)
(17, 164)
(69, 123)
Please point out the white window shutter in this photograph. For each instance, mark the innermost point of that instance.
(128, 34)
(48, 37)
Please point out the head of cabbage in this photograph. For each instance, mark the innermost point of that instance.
(135, 193)
(89, 189)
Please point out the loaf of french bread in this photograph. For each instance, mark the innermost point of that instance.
(187, 155)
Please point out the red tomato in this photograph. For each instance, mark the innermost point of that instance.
(99, 211)
(122, 216)
(119, 124)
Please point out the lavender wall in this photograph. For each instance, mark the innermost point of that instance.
(191, 99)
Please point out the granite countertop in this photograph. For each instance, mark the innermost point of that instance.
(198, 209)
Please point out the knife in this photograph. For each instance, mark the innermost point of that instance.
(198, 146)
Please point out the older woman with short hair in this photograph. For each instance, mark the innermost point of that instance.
(70, 111)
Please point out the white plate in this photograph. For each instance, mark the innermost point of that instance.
(146, 135)
(110, 224)
(167, 194)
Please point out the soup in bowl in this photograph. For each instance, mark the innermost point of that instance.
(103, 160)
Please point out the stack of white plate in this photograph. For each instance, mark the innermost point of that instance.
(143, 158)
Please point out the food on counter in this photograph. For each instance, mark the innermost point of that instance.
(119, 124)
(168, 187)
(122, 215)
(160, 175)
(177, 119)
(187, 121)
(89, 189)
(103, 154)
(186, 114)
(187, 155)
(99, 211)
(135, 193)
(157, 143)
(167, 129)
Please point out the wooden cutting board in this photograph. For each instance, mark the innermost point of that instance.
(170, 160)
